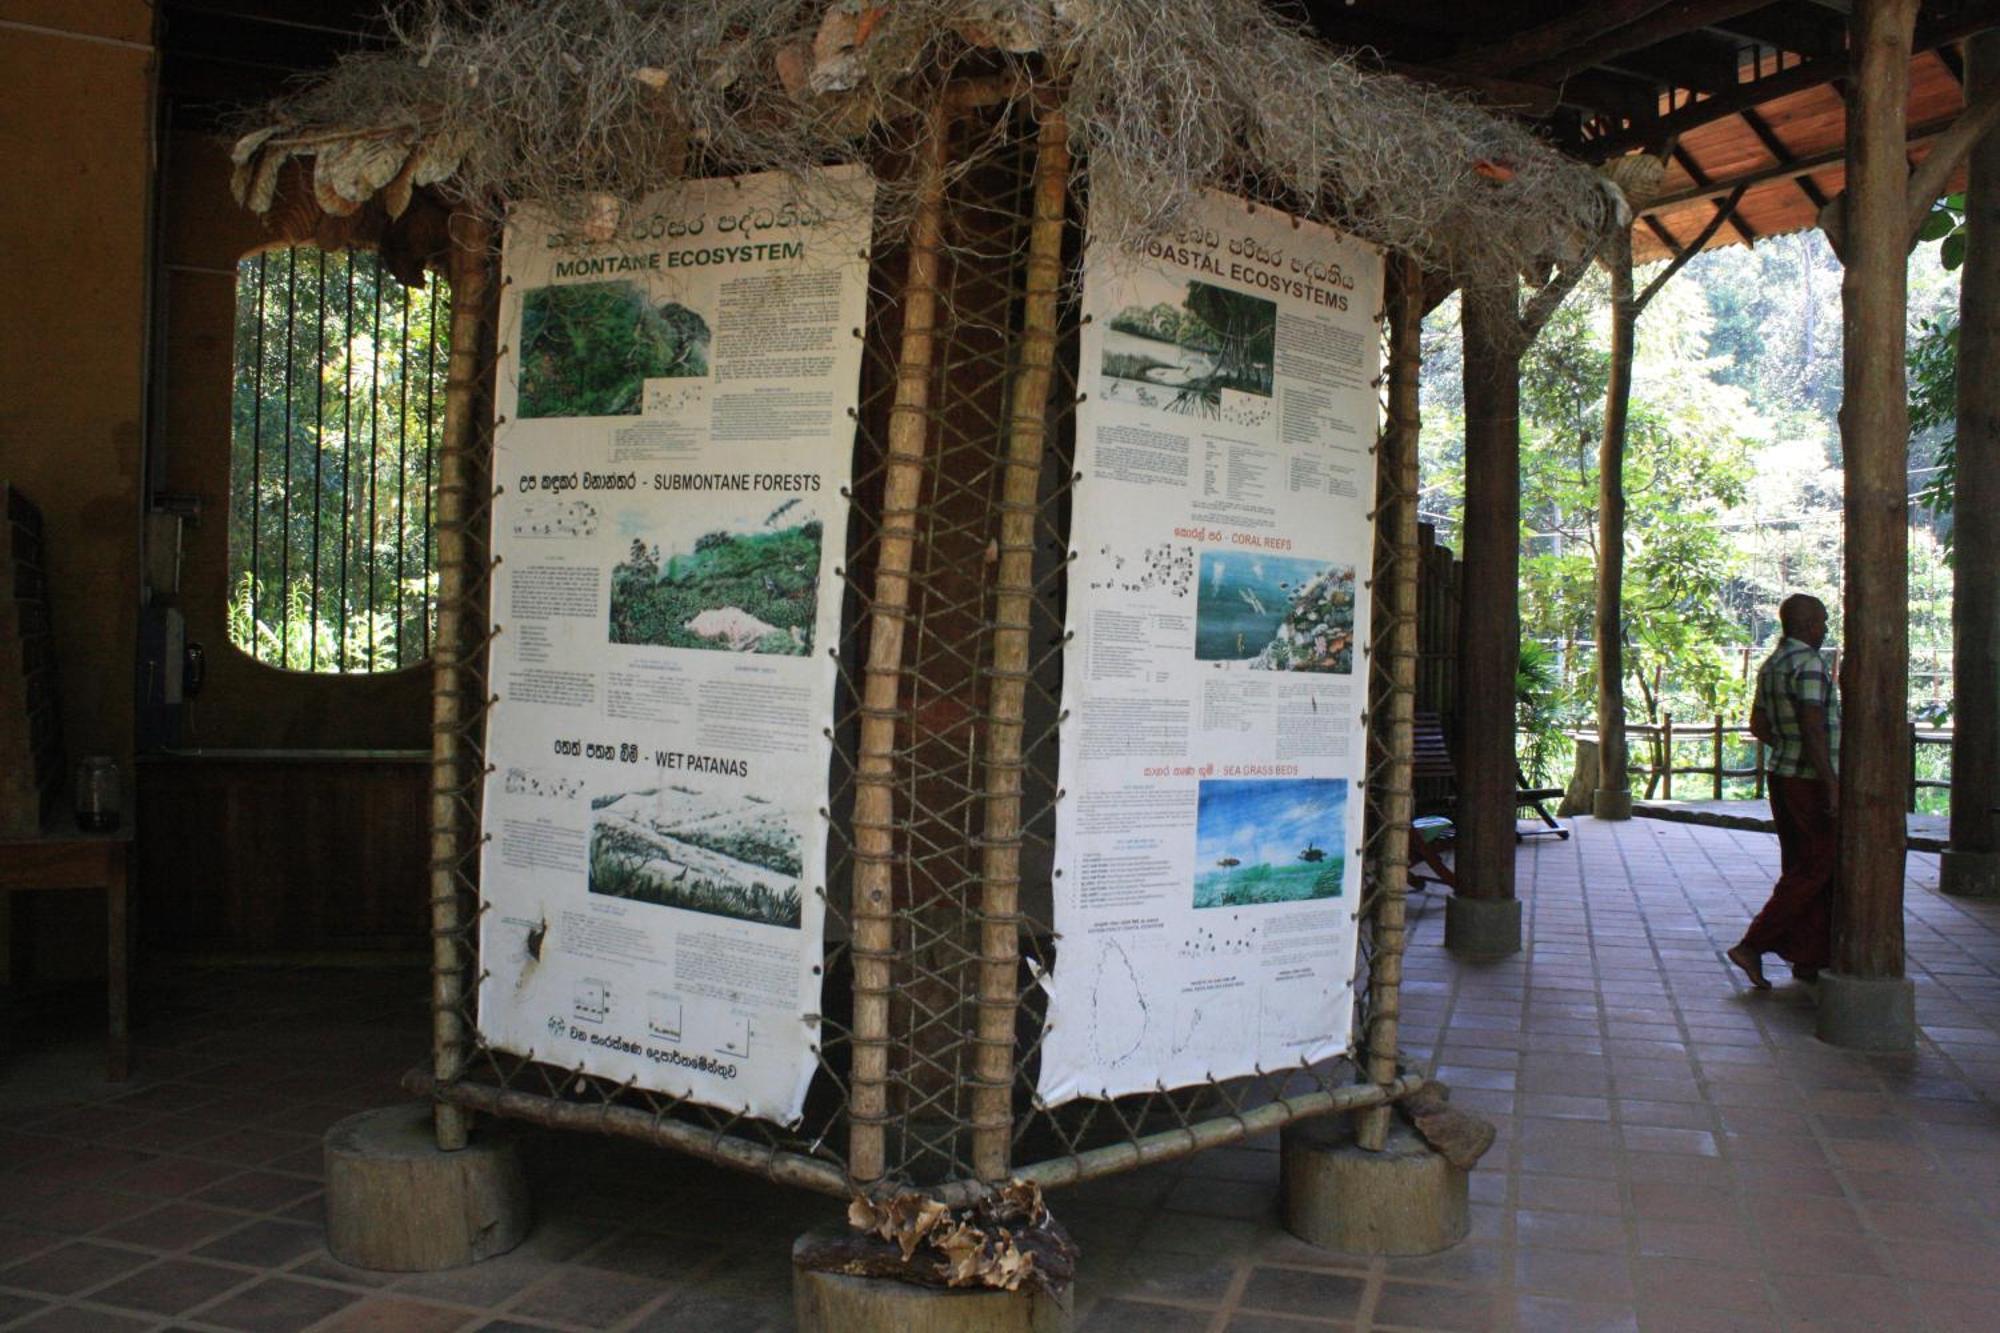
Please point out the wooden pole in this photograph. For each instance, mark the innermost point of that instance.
(1396, 530)
(1613, 797)
(1013, 610)
(1667, 756)
(1489, 627)
(1972, 863)
(872, 910)
(1874, 433)
(470, 260)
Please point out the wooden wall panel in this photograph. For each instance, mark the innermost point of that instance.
(277, 853)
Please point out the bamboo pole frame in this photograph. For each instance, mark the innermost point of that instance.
(1000, 859)
(458, 705)
(451, 677)
(875, 771)
(1396, 489)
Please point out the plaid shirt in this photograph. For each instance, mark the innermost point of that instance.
(1792, 675)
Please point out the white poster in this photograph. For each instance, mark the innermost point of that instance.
(1208, 853)
(674, 439)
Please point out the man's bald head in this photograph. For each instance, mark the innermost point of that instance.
(1803, 617)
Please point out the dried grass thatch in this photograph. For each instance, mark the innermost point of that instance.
(585, 102)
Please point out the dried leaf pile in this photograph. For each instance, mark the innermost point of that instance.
(583, 103)
(1007, 1240)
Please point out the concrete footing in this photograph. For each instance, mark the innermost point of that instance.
(837, 1303)
(1405, 1199)
(1867, 1013)
(1969, 874)
(1482, 927)
(1606, 803)
(394, 1202)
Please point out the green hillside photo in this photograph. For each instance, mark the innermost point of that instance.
(754, 592)
(588, 350)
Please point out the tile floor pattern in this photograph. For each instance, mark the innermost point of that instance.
(1674, 1154)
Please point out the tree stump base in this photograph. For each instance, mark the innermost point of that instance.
(1482, 927)
(1867, 1013)
(824, 1302)
(1609, 803)
(396, 1203)
(1969, 874)
(1406, 1199)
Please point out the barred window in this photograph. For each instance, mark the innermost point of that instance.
(337, 408)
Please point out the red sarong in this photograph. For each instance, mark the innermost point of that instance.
(1797, 923)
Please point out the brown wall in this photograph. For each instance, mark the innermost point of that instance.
(245, 704)
(75, 152)
(76, 81)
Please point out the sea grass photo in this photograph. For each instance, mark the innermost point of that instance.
(588, 349)
(1269, 840)
(720, 854)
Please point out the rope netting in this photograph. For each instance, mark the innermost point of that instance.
(940, 927)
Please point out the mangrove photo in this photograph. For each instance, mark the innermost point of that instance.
(1180, 355)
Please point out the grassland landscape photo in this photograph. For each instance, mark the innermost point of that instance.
(1179, 355)
(587, 350)
(1274, 613)
(749, 589)
(674, 846)
(1269, 840)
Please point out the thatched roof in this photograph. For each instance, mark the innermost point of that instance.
(581, 102)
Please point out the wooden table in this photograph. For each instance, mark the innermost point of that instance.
(67, 857)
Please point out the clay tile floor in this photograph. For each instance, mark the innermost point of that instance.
(1674, 1153)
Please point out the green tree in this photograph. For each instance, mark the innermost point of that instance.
(336, 403)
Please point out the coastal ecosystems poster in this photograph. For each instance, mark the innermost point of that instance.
(674, 439)
(1208, 855)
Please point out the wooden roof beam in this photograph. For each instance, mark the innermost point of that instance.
(1724, 210)
(1727, 209)
(1918, 135)
(1541, 43)
(1777, 149)
(1813, 74)
(1666, 22)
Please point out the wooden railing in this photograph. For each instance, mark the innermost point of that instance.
(1652, 747)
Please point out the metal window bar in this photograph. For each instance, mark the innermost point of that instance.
(911, 913)
(299, 551)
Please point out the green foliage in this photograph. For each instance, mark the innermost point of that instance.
(587, 350)
(773, 576)
(336, 404)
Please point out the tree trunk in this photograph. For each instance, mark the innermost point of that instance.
(1875, 444)
(1975, 616)
(1614, 794)
(1489, 627)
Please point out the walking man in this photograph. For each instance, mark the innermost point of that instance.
(1797, 714)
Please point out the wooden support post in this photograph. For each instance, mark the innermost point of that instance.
(1667, 756)
(1396, 537)
(1874, 433)
(1971, 864)
(1718, 756)
(1489, 627)
(1613, 797)
(872, 910)
(471, 266)
(1013, 611)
